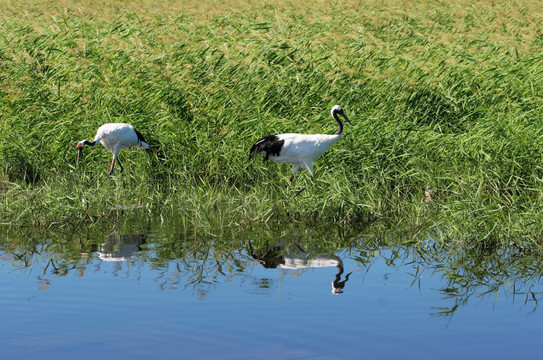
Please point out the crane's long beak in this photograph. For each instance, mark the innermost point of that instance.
(345, 116)
(79, 152)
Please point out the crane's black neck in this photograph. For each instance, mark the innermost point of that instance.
(339, 123)
(90, 143)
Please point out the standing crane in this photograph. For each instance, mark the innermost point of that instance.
(115, 137)
(300, 150)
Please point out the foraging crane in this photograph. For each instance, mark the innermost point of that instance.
(300, 150)
(115, 137)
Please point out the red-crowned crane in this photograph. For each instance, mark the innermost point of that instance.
(300, 150)
(115, 137)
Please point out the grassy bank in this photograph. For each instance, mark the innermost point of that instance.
(440, 93)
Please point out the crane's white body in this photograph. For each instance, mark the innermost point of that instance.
(114, 137)
(117, 136)
(300, 150)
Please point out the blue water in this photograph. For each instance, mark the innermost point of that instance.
(141, 306)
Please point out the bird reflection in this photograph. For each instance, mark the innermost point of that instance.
(120, 247)
(117, 247)
(337, 284)
(295, 257)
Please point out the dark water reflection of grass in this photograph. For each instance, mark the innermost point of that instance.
(202, 256)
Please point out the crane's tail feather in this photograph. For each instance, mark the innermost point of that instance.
(142, 143)
(268, 145)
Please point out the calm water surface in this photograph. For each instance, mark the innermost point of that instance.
(156, 290)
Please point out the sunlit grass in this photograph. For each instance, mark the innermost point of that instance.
(445, 94)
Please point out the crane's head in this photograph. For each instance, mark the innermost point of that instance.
(338, 110)
(80, 149)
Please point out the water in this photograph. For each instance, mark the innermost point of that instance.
(157, 290)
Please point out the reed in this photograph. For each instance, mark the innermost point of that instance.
(445, 94)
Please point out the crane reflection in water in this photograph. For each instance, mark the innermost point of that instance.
(120, 247)
(294, 257)
(117, 248)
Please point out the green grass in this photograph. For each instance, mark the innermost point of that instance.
(440, 93)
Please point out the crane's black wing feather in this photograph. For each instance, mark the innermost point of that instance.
(140, 136)
(269, 145)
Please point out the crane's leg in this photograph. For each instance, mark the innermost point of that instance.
(111, 167)
(115, 153)
(295, 168)
(119, 163)
(309, 168)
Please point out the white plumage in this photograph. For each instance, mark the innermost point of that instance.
(114, 137)
(300, 150)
